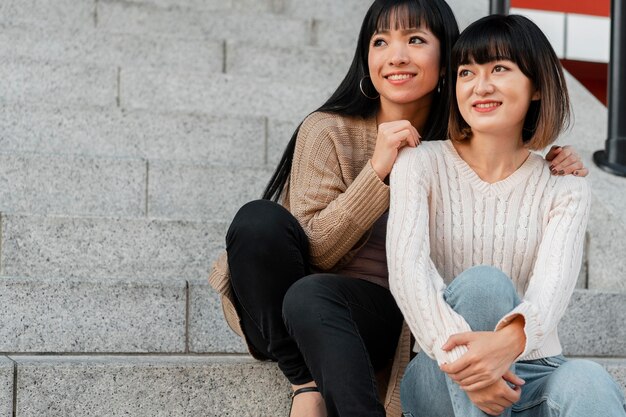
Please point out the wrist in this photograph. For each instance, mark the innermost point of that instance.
(380, 172)
(514, 335)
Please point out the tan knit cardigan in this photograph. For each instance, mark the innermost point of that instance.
(336, 196)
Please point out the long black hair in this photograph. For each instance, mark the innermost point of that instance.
(348, 100)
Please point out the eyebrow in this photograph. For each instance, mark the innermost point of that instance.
(405, 31)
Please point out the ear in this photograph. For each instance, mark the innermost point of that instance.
(536, 96)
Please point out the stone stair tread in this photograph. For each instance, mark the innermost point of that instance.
(149, 385)
(308, 65)
(49, 184)
(161, 386)
(85, 315)
(92, 46)
(104, 247)
(226, 94)
(216, 139)
(128, 17)
(198, 191)
(7, 374)
(78, 185)
(96, 315)
(31, 81)
(93, 313)
(58, 13)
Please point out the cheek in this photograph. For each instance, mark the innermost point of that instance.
(432, 66)
(463, 103)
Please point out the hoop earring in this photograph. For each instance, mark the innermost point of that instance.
(441, 84)
(363, 92)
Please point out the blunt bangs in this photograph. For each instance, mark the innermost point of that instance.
(494, 39)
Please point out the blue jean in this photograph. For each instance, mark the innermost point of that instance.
(554, 386)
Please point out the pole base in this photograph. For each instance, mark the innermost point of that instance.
(600, 158)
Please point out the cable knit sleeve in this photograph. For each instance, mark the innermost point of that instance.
(333, 212)
(413, 279)
(557, 264)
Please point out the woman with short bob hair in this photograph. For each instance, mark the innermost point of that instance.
(546, 118)
(485, 245)
(305, 281)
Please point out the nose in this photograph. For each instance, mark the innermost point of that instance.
(483, 85)
(399, 55)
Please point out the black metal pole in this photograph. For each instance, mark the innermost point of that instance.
(613, 158)
(499, 6)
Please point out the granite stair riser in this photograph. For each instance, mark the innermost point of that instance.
(55, 185)
(56, 315)
(29, 81)
(107, 49)
(45, 184)
(193, 191)
(222, 94)
(310, 66)
(103, 248)
(171, 386)
(149, 386)
(126, 17)
(607, 223)
(219, 140)
(7, 376)
(315, 65)
(208, 5)
(70, 315)
(46, 13)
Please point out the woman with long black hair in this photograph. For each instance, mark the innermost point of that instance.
(305, 281)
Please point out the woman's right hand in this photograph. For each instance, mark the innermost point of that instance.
(494, 399)
(392, 136)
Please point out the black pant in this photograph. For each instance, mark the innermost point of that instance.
(330, 328)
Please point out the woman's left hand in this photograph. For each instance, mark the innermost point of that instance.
(566, 161)
(489, 357)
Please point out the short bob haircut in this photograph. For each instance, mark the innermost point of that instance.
(517, 39)
(347, 100)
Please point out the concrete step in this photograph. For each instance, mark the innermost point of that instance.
(105, 248)
(109, 132)
(307, 65)
(139, 315)
(7, 376)
(45, 13)
(46, 184)
(224, 94)
(265, 28)
(77, 185)
(148, 386)
(210, 5)
(31, 81)
(89, 315)
(199, 191)
(93, 46)
(170, 386)
(83, 315)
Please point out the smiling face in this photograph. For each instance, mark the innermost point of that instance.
(404, 65)
(494, 97)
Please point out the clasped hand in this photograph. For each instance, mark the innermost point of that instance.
(483, 371)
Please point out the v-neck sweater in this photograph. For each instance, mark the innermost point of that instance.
(445, 219)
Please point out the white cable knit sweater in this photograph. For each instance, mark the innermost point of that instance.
(444, 219)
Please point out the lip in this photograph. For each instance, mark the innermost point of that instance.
(401, 81)
(491, 105)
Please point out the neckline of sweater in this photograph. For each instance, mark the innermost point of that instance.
(504, 186)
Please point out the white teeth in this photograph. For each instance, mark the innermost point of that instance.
(487, 105)
(397, 77)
